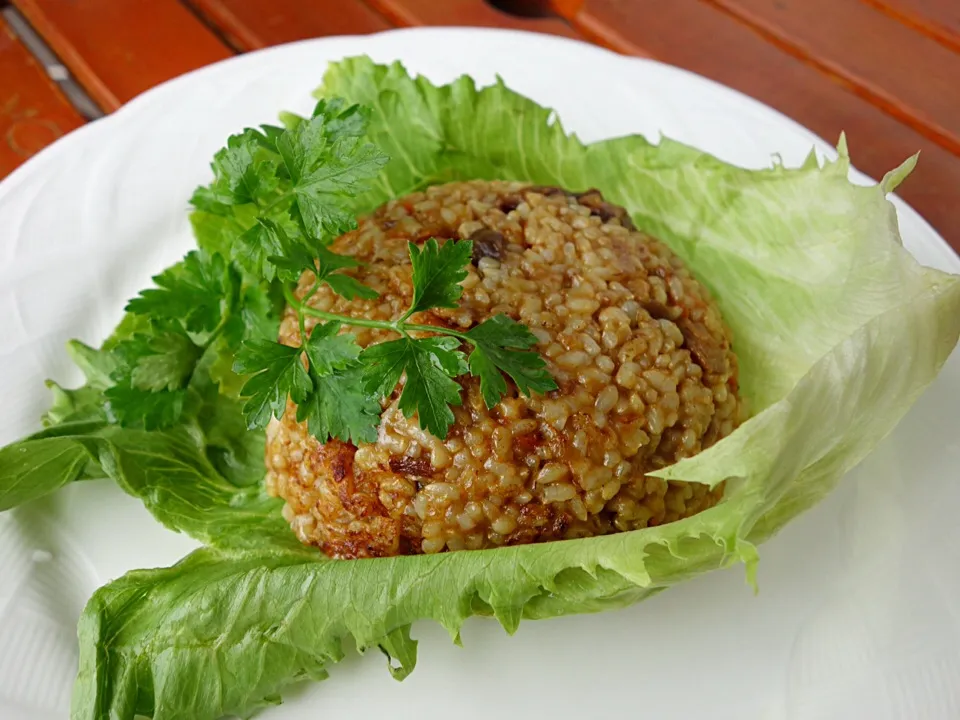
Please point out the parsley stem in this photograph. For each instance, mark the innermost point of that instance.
(440, 330)
(217, 330)
(303, 328)
(300, 315)
(397, 326)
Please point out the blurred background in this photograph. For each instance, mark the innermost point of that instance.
(885, 71)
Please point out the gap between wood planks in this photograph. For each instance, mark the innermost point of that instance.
(56, 70)
(33, 110)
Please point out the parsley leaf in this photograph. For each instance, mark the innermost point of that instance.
(297, 256)
(437, 274)
(268, 136)
(155, 362)
(328, 350)
(253, 249)
(324, 195)
(260, 310)
(310, 143)
(293, 257)
(338, 407)
(430, 364)
(498, 345)
(209, 200)
(132, 407)
(239, 175)
(329, 165)
(301, 147)
(257, 319)
(195, 291)
(150, 373)
(349, 287)
(329, 262)
(278, 373)
(343, 120)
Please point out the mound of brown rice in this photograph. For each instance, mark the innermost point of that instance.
(640, 353)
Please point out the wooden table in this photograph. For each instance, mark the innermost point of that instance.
(885, 71)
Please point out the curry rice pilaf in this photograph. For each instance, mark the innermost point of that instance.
(642, 358)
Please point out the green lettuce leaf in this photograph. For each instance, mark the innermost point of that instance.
(811, 276)
(223, 633)
(171, 471)
(192, 477)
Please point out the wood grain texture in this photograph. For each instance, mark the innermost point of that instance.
(476, 13)
(938, 19)
(882, 60)
(33, 111)
(565, 8)
(117, 49)
(254, 24)
(698, 37)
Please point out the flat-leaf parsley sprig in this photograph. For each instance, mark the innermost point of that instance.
(338, 393)
(168, 331)
(289, 192)
(432, 364)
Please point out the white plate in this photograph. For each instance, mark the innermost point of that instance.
(857, 614)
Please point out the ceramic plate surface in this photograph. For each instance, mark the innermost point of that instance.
(857, 614)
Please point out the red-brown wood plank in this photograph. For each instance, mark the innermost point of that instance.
(474, 13)
(939, 19)
(254, 24)
(33, 111)
(117, 49)
(565, 8)
(699, 37)
(895, 68)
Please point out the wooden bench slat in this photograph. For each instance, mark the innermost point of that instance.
(700, 38)
(897, 69)
(33, 111)
(118, 48)
(254, 24)
(474, 13)
(938, 19)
